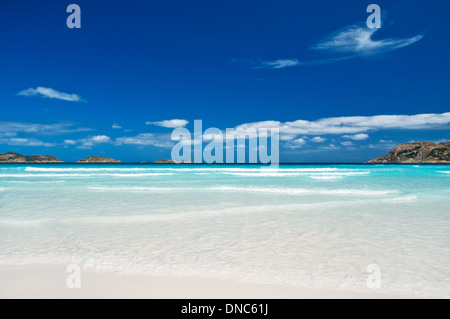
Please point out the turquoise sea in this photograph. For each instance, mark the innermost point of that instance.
(301, 225)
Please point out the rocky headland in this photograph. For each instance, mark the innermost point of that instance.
(416, 153)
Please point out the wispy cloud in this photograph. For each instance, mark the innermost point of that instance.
(116, 126)
(147, 139)
(359, 40)
(170, 123)
(383, 144)
(296, 144)
(348, 43)
(278, 64)
(51, 94)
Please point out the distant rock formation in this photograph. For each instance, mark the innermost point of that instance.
(167, 161)
(19, 158)
(98, 159)
(417, 153)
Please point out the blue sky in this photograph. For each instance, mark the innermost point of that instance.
(338, 91)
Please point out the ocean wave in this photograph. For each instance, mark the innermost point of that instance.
(103, 169)
(444, 172)
(36, 182)
(203, 170)
(138, 189)
(2, 189)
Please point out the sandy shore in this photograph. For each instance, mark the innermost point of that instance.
(49, 281)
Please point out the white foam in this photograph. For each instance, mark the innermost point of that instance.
(2, 189)
(285, 191)
(444, 172)
(263, 174)
(326, 177)
(303, 191)
(85, 175)
(316, 174)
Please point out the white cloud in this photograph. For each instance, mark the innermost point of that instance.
(51, 94)
(170, 123)
(89, 142)
(116, 126)
(347, 143)
(358, 40)
(279, 64)
(318, 139)
(357, 137)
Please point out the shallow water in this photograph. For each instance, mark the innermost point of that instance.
(301, 225)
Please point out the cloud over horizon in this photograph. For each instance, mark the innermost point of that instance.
(354, 124)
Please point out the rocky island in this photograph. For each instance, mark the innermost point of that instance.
(417, 153)
(168, 161)
(19, 158)
(98, 159)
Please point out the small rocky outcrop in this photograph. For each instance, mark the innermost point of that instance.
(98, 159)
(168, 161)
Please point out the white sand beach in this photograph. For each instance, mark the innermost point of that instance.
(49, 281)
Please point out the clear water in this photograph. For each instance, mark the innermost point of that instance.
(302, 225)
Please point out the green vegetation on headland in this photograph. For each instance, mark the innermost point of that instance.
(416, 153)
